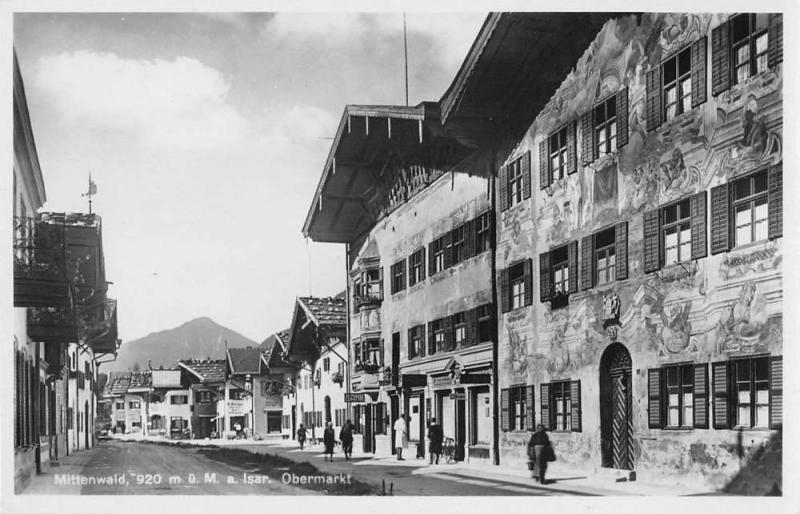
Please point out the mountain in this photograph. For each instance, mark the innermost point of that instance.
(199, 339)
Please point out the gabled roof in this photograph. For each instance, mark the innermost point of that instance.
(274, 348)
(206, 370)
(140, 380)
(245, 361)
(118, 383)
(325, 311)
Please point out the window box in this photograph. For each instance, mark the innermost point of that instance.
(337, 378)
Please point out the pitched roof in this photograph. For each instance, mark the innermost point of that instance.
(140, 380)
(274, 348)
(118, 384)
(325, 311)
(206, 370)
(245, 360)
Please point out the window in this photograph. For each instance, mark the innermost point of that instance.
(676, 224)
(398, 276)
(680, 396)
(517, 408)
(562, 405)
(373, 352)
(517, 283)
(750, 209)
(605, 126)
(237, 394)
(515, 183)
(178, 399)
(751, 392)
(560, 270)
(558, 154)
(369, 285)
(120, 405)
(438, 341)
(204, 396)
(416, 266)
(326, 364)
(604, 256)
(134, 405)
(485, 323)
(482, 233)
(749, 42)
(416, 342)
(437, 249)
(458, 250)
(515, 286)
(677, 73)
(460, 329)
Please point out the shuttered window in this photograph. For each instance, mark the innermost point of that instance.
(518, 407)
(743, 46)
(530, 421)
(482, 227)
(776, 392)
(416, 342)
(545, 176)
(458, 251)
(485, 315)
(505, 421)
(518, 180)
(416, 267)
(678, 397)
(654, 405)
(720, 59)
(588, 149)
(575, 395)
(775, 201)
(604, 128)
(565, 405)
(750, 392)
(436, 256)
(677, 85)
(558, 274)
(562, 152)
(502, 180)
(544, 400)
(398, 276)
(545, 280)
(675, 233)
(516, 285)
(719, 374)
(775, 39)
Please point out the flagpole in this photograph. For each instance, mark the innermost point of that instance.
(90, 192)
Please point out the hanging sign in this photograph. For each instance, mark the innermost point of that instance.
(354, 397)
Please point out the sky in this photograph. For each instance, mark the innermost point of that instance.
(206, 135)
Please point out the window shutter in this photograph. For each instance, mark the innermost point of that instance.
(503, 180)
(775, 39)
(392, 283)
(653, 98)
(544, 164)
(587, 262)
(431, 261)
(472, 326)
(545, 280)
(431, 339)
(720, 59)
(492, 229)
(699, 71)
(622, 117)
(700, 407)
(447, 241)
(383, 355)
(422, 347)
(572, 148)
(621, 250)
(504, 418)
(380, 281)
(572, 262)
(410, 344)
(697, 212)
(530, 414)
(720, 212)
(654, 418)
(422, 264)
(722, 417)
(469, 237)
(527, 267)
(447, 323)
(525, 169)
(575, 401)
(544, 400)
(505, 291)
(411, 278)
(652, 240)
(776, 392)
(775, 201)
(403, 274)
(587, 137)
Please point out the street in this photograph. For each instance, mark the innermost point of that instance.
(117, 467)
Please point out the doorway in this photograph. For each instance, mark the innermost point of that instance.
(368, 429)
(395, 413)
(616, 420)
(294, 420)
(461, 425)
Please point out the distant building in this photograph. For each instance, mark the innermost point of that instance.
(170, 405)
(280, 385)
(206, 379)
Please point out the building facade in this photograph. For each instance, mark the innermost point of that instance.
(648, 334)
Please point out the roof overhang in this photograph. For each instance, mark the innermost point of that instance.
(371, 142)
(515, 65)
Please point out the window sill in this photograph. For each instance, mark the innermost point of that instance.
(762, 244)
(677, 429)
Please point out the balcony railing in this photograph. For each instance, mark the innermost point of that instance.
(52, 325)
(368, 296)
(40, 270)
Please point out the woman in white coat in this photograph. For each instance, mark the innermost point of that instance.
(400, 436)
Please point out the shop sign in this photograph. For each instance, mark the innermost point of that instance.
(354, 397)
(457, 396)
(237, 407)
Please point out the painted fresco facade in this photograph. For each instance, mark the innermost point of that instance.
(695, 299)
(414, 334)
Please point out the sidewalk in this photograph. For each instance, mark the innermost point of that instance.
(73, 464)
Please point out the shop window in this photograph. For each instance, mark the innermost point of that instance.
(416, 341)
(675, 233)
(398, 276)
(515, 181)
(416, 267)
(178, 399)
(515, 286)
(458, 250)
(482, 233)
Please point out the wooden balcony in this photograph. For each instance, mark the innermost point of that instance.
(52, 325)
(40, 273)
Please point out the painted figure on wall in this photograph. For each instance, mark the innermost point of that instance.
(745, 328)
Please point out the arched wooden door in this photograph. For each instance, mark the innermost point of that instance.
(616, 421)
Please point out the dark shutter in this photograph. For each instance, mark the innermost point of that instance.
(699, 86)
(403, 274)
(525, 169)
(504, 418)
(572, 262)
(775, 39)
(447, 242)
(587, 137)
(383, 360)
(380, 281)
(422, 263)
(412, 279)
(720, 213)
(422, 347)
(472, 326)
(587, 262)
(431, 339)
(651, 242)
(700, 407)
(527, 267)
(575, 401)
(530, 414)
(544, 164)
(622, 117)
(505, 291)
(653, 98)
(697, 212)
(572, 148)
(469, 240)
(722, 417)
(654, 417)
(431, 261)
(776, 392)
(720, 59)
(775, 202)
(544, 400)
(503, 182)
(545, 280)
(621, 250)
(449, 339)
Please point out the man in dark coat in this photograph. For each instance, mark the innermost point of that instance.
(346, 437)
(329, 439)
(301, 436)
(538, 448)
(435, 436)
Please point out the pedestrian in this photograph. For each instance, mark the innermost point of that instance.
(435, 437)
(400, 436)
(329, 439)
(301, 436)
(238, 428)
(346, 437)
(538, 449)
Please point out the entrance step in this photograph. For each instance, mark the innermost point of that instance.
(615, 475)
